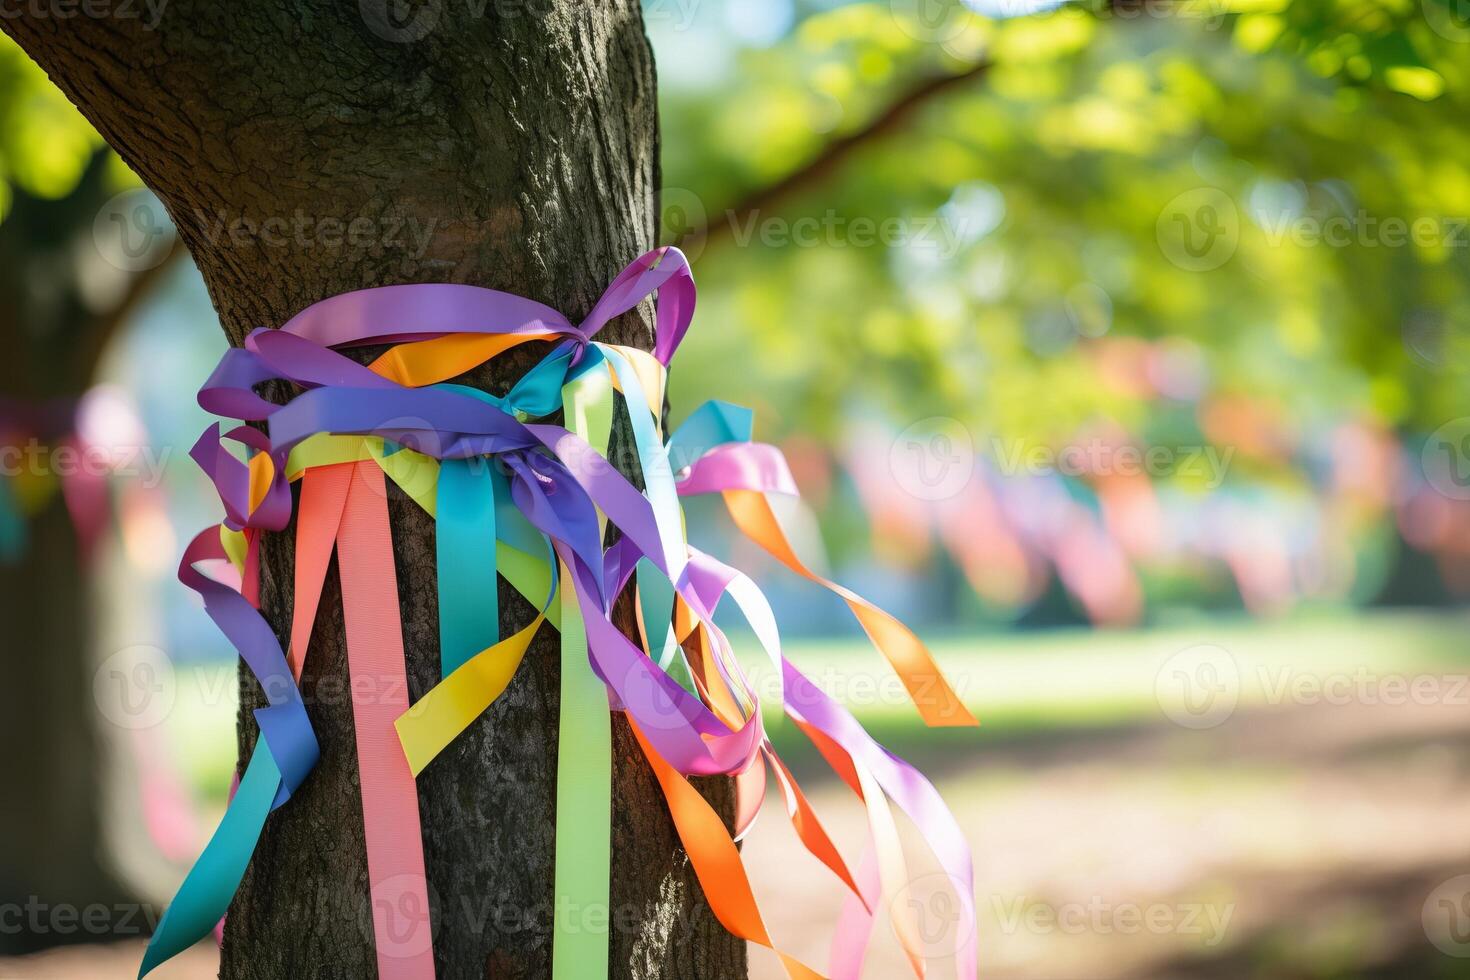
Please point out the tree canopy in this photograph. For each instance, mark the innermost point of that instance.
(1229, 225)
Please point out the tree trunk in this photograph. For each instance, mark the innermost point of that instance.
(51, 847)
(51, 820)
(307, 149)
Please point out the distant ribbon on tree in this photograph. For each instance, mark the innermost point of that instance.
(48, 448)
(517, 496)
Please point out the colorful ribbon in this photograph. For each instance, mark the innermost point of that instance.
(48, 431)
(514, 496)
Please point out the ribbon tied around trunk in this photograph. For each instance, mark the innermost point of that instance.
(521, 487)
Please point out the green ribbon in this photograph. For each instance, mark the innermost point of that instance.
(584, 749)
(583, 808)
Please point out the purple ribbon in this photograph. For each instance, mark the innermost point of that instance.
(284, 724)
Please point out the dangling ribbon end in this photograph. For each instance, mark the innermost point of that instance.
(957, 716)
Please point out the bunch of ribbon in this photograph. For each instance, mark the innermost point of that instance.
(515, 496)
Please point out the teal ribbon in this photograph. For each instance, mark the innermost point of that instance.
(13, 534)
(205, 894)
(656, 600)
(712, 424)
(469, 601)
(471, 495)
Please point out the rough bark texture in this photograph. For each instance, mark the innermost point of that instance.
(51, 818)
(306, 149)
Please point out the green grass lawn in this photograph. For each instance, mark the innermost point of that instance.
(1082, 676)
(1020, 685)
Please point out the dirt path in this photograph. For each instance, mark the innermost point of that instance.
(1282, 844)
(1293, 843)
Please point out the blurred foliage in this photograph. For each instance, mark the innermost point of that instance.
(1021, 209)
(1033, 202)
(45, 143)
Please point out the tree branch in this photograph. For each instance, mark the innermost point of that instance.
(835, 154)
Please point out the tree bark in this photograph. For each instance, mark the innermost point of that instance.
(307, 149)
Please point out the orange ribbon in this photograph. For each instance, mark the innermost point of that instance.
(428, 362)
(716, 861)
(937, 702)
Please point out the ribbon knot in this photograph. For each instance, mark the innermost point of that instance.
(535, 501)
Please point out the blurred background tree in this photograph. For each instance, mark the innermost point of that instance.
(61, 303)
